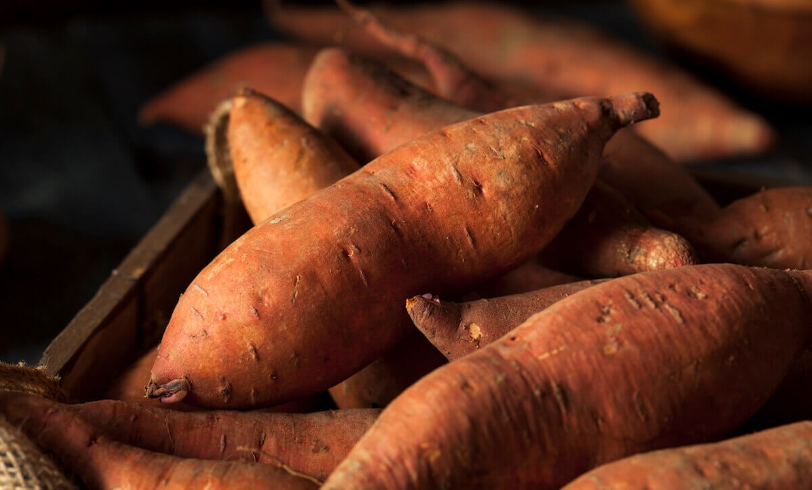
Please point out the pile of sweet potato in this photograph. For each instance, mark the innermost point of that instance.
(497, 291)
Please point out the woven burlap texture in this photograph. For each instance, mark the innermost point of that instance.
(23, 466)
(30, 380)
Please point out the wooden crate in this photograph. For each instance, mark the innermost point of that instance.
(129, 313)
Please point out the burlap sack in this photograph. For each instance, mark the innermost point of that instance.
(23, 466)
(30, 380)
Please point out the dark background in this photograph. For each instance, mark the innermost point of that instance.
(81, 181)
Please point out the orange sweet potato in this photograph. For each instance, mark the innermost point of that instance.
(312, 443)
(370, 110)
(774, 459)
(772, 228)
(278, 158)
(269, 320)
(609, 238)
(559, 57)
(458, 329)
(642, 362)
(129, 387)
(103, 463)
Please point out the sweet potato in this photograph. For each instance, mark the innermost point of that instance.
(269, 319)
(642, 362)
(312, 443)
(772, 228)
(129, 387)
(103, 463)
(278, 158)
(458, 329)
(774, 459)
(385, 378)
(370, 110)
(609, 238)
(559, 57)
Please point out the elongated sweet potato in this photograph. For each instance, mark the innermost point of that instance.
(459, 329)
(312, 443)
(775, 459)
(560, 57)
(103, 463)
(278, 158)
(772, 228)
(370, 110)
(129, 387)
(268, 321)
(609, 238)
(642, 362)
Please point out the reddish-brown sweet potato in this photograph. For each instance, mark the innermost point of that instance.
(278, 158)
(560, 57)
(370, 110)
(129, 387)
(459, 329)
(312, 443)
(772, 228)
(777, 459)
(609, 238)
(792, 401)
(642, 362)
(103, 463)
(285, 282)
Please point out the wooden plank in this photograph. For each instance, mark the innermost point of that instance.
(121, 293)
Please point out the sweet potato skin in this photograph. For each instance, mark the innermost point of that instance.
(278, 158)
(504, 44)
(609, 238)
(103, 463)
(368, 108)
(775, 459)
(459, 329)
(279, 282)
(771, 228)
(312, 443)
(641, 362)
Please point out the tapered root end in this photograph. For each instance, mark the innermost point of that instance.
(634, 107)
(171, 392)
